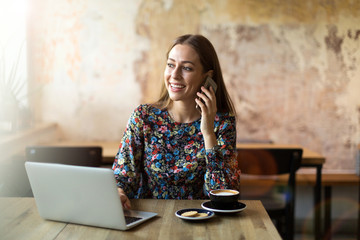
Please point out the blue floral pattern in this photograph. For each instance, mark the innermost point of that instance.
(161, 158)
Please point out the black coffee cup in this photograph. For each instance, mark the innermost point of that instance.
(224, 198)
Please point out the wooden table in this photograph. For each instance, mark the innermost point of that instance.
(19, 219)
(309, 159)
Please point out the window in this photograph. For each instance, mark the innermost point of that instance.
(13, 64)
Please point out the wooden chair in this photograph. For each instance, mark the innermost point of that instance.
(90, 156)
(81, 156)
(266, 166)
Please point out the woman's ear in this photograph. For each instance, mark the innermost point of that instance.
(210, 73)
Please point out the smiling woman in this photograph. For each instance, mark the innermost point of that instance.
(172, 150)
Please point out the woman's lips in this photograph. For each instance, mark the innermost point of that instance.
(176, 87)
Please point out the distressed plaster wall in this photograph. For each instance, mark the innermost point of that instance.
(292, 67)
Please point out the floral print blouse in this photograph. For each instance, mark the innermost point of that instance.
(161, 158)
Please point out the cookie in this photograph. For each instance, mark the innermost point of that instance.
(189, 214)
(201, 215)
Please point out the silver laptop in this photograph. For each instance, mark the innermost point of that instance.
(81, 195)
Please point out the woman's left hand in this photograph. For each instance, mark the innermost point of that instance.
(208, 113)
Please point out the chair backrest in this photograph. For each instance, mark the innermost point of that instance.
(269, 161)
(79, 155)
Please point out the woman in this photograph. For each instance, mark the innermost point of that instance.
(183, 145)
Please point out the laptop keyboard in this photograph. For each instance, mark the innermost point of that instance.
(129, 219)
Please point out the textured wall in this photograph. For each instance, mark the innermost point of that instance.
(291, 67)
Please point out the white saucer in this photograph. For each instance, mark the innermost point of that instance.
(209, 206)
(209, 213)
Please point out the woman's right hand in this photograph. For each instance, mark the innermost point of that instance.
(124, 199)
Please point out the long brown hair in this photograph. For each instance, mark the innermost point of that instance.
(209, 61)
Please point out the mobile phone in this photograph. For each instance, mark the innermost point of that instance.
(208, 82)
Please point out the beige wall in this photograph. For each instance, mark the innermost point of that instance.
(292, 67)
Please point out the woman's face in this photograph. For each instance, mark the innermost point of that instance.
(183, 74)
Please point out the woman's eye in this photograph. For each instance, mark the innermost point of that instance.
(170, 65)
(187, 68)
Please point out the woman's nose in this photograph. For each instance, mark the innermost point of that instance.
(176, 73)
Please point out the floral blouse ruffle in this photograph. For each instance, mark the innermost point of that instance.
(161, 158)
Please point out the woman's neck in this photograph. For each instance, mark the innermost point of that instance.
(183, 113)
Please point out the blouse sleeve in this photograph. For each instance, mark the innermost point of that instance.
(127, 164)
(221, 164)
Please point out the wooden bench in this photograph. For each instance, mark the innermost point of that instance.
(306, 179)
(328, 181)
